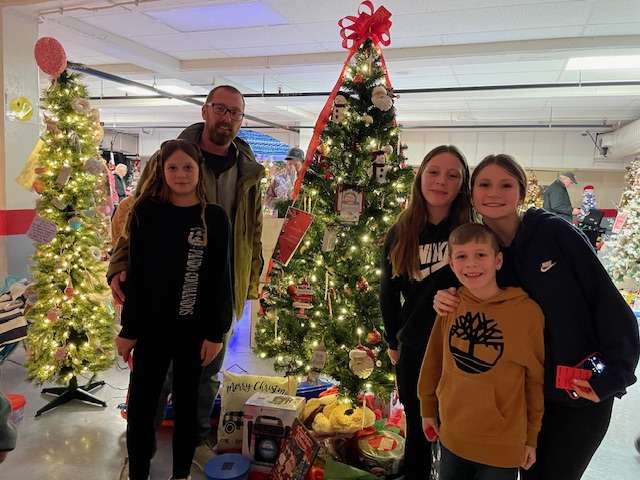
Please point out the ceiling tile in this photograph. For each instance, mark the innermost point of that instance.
(129, 25)
(615, 11)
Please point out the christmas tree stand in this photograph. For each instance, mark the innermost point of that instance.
(72, 392)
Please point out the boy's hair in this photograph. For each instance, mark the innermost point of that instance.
(156, 188)
(470, 232)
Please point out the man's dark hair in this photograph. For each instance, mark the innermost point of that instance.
(225, 87)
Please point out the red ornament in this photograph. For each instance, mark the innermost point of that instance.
(302, 298)
(362, 285)
(374, 337)
(329, 176)
(68, 292)
(50, 56)
(291, 290)
(358, 78)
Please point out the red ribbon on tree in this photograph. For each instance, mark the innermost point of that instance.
(368, 24)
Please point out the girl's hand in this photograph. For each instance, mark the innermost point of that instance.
(209, 351)
(430, 428)
(584, 390)
(393, 355)
(446, 301)
(529, 457)
(124, 347)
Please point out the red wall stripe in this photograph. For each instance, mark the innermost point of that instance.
(16, 222)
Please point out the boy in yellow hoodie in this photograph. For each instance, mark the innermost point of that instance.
(483, 373)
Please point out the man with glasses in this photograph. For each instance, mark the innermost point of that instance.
(232, 180)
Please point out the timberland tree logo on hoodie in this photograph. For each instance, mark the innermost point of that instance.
(192, 272)
(475, 342)
(433, 257)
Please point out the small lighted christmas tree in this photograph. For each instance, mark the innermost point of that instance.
(72, 326)
(624, 247)
(588, 201)
(534, 196)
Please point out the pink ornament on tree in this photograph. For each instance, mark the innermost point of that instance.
(61, 354)
(50, 56)
(53, 314)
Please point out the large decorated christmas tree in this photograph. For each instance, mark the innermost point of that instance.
(624, 248)
(320, 312)
(72, 329)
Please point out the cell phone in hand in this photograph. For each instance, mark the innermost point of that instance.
(589, 367)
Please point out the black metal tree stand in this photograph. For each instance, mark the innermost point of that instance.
(72, 392)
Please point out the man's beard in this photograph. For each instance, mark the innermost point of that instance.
(219, 137)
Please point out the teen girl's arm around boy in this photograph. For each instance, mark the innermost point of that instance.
(613, 322)
(390, 304)
(217, 306)
(430, 375)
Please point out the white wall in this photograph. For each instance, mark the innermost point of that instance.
(20, 79)
(545, 152)
(534, 149)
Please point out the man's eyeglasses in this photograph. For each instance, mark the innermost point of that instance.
(221, 109)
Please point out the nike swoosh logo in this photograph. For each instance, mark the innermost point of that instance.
(546, 266)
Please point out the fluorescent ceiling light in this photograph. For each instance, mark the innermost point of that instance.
(616, 62)
(131, 90)
(176, 90)
(215, 17)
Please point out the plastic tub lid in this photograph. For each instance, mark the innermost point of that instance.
(228, 466)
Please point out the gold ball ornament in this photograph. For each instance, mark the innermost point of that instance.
(21, 109)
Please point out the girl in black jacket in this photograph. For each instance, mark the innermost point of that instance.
(178, 303)
(584, 313)
(415, 266)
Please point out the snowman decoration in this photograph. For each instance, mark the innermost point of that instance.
(379, 167)
(338, 113)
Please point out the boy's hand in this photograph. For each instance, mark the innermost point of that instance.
(446, 301)
(529, 457)
(430, 428)
(393, 355)
(209, 351)
(124, 347)
(584, 390)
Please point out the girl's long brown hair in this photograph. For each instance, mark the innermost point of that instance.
(155, 186)
(403, 253)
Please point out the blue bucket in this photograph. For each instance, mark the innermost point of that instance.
(229, 466)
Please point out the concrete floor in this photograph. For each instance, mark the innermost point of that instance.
(78, 441)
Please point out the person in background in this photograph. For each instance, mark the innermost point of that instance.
(7, 429)
(283, 181)
(584, 314)
(486, 361)
(556, 197)
(415, 265)
(120, 173)
(178, 307)
(232, 180)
